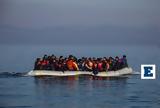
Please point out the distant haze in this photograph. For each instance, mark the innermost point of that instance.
(80, 22)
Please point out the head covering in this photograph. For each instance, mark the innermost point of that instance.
(124, 56)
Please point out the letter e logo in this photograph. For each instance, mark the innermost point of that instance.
(148, 71)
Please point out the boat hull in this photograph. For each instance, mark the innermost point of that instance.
(121, 72)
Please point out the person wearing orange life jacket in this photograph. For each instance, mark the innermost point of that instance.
(71, 64)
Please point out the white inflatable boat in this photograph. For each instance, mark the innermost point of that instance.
(121, 72)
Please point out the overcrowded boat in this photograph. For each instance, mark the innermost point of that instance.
(73, 66)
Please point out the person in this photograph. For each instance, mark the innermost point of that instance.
(50, 61)
(79, 63)
(107, 65)
(53, 62)
(37, 64)
(100, 65)
(117, 63)
(60, 65)
(89, 65)
(44, 64)
(64, 65)
(111, 63)
(56, 65)
(95, 67)
(45, 57)
(124, 62)
(40, 64)
(71, 64)
(104, 64)
(84, 64)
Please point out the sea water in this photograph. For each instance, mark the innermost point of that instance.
(19, 91)
(30, 92)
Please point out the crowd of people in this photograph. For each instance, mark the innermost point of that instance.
(72, 63)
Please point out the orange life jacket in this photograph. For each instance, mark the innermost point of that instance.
(75, 66)
(70, 64)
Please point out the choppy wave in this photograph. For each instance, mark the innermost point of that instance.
(12, 74)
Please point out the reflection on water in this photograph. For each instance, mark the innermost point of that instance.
(73, 81)
(69, 92)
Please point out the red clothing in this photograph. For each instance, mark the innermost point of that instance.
(100, 68)
(44, 62)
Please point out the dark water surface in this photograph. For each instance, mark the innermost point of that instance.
(30, 92)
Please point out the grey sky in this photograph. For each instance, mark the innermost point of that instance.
(80, 22)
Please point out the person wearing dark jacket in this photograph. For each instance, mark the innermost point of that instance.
(124, 61)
